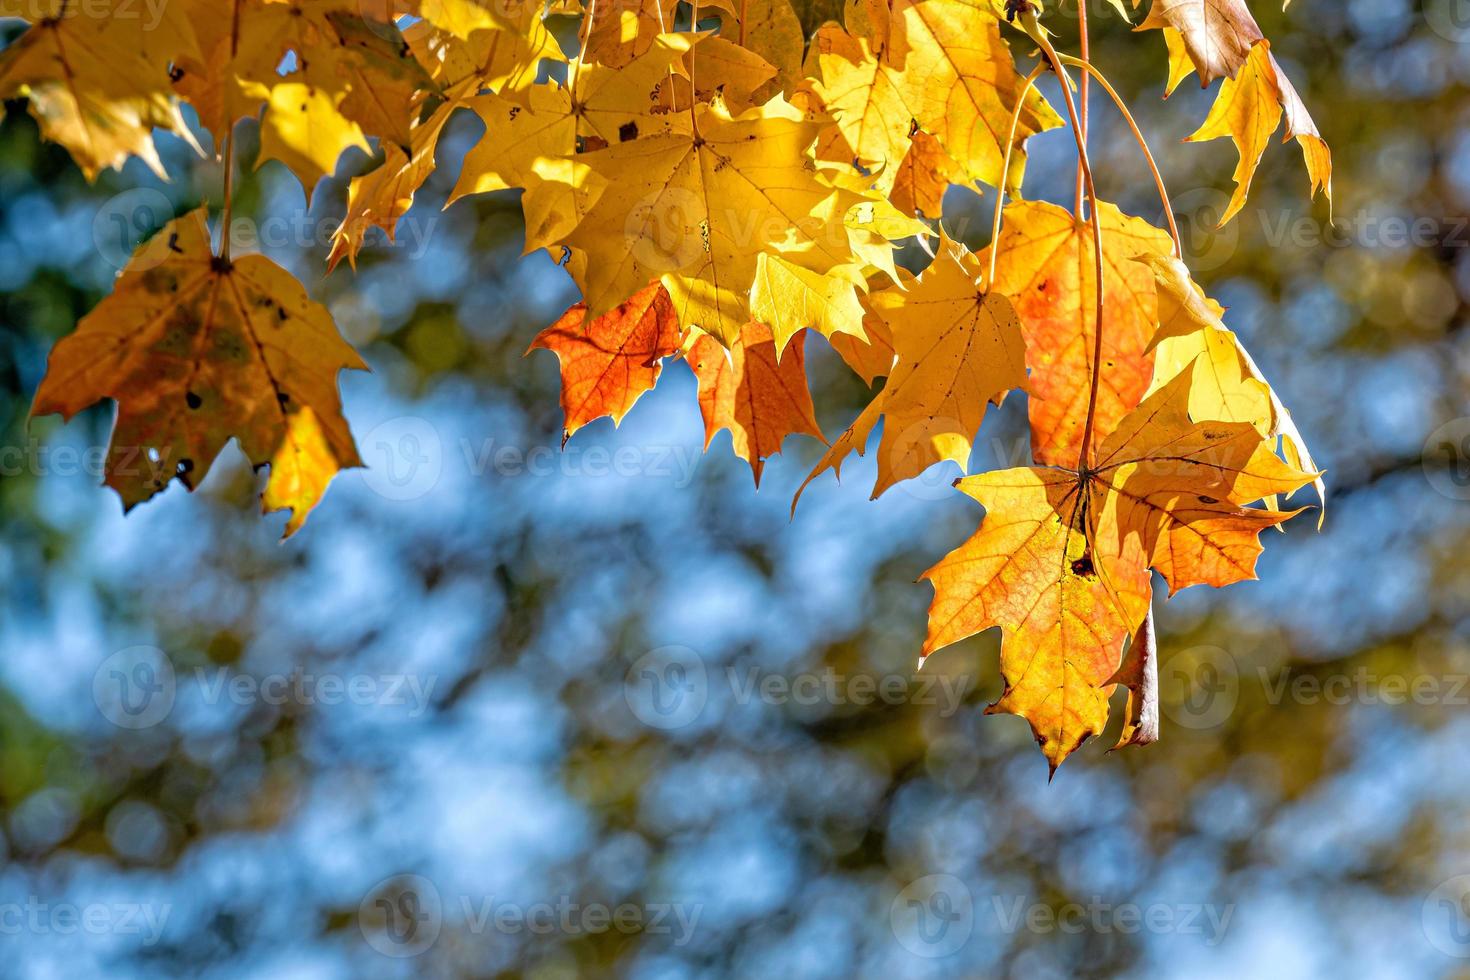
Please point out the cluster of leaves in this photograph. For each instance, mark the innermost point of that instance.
(718, 179)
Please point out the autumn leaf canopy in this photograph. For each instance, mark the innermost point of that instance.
(733, 186)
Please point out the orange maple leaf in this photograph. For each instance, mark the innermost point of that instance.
(1046, 267)
(608, 362)
(1061, 560)
(759, 398)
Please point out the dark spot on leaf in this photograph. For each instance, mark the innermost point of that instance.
(1082, 566)
(627, 131)
(193, 400)
(173, 243)
(1207, 500)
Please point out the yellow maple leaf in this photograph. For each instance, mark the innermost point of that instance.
(615, 38)
(795, 299)
(1228, 386)
(378, 198)
(467, 48)
(1061, 559)
(97, 78)
(957, 348)
(943, 68)
(196, 350)
(1248, 109)
(605, 104)
(697, 207)
(304, 126)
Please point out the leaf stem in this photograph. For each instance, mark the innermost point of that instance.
(229, 206)
(585, 36)
(1038, 34)
(693, 92)
(1142, 144)
(1005, 168)
(1083, 50)
(658, 8)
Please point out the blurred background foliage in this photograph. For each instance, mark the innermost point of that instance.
(1294, 821)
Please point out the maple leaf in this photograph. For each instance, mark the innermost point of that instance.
(696, 208)
(378, 198)
(747, 390)
(1248, 110)
(957, 348)
(304, 126)
(97, 81)
(1217, 34)
(546, 127)
(772, 30)
(726, 71)
(603, 104)
(467, 48)
(608, 362)
(1228, 387)
(1046, 266)
(871, 356)
(1061, 559)
(618, 38)
(944, 69)
(196, 350)
(922, 177)
(795, 299)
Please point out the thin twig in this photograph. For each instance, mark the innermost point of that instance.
(1142, 143)
(1005, 168)
(586, 35)
(693, 92)
(229, 207)
(1029, 23)
(1083, 50)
